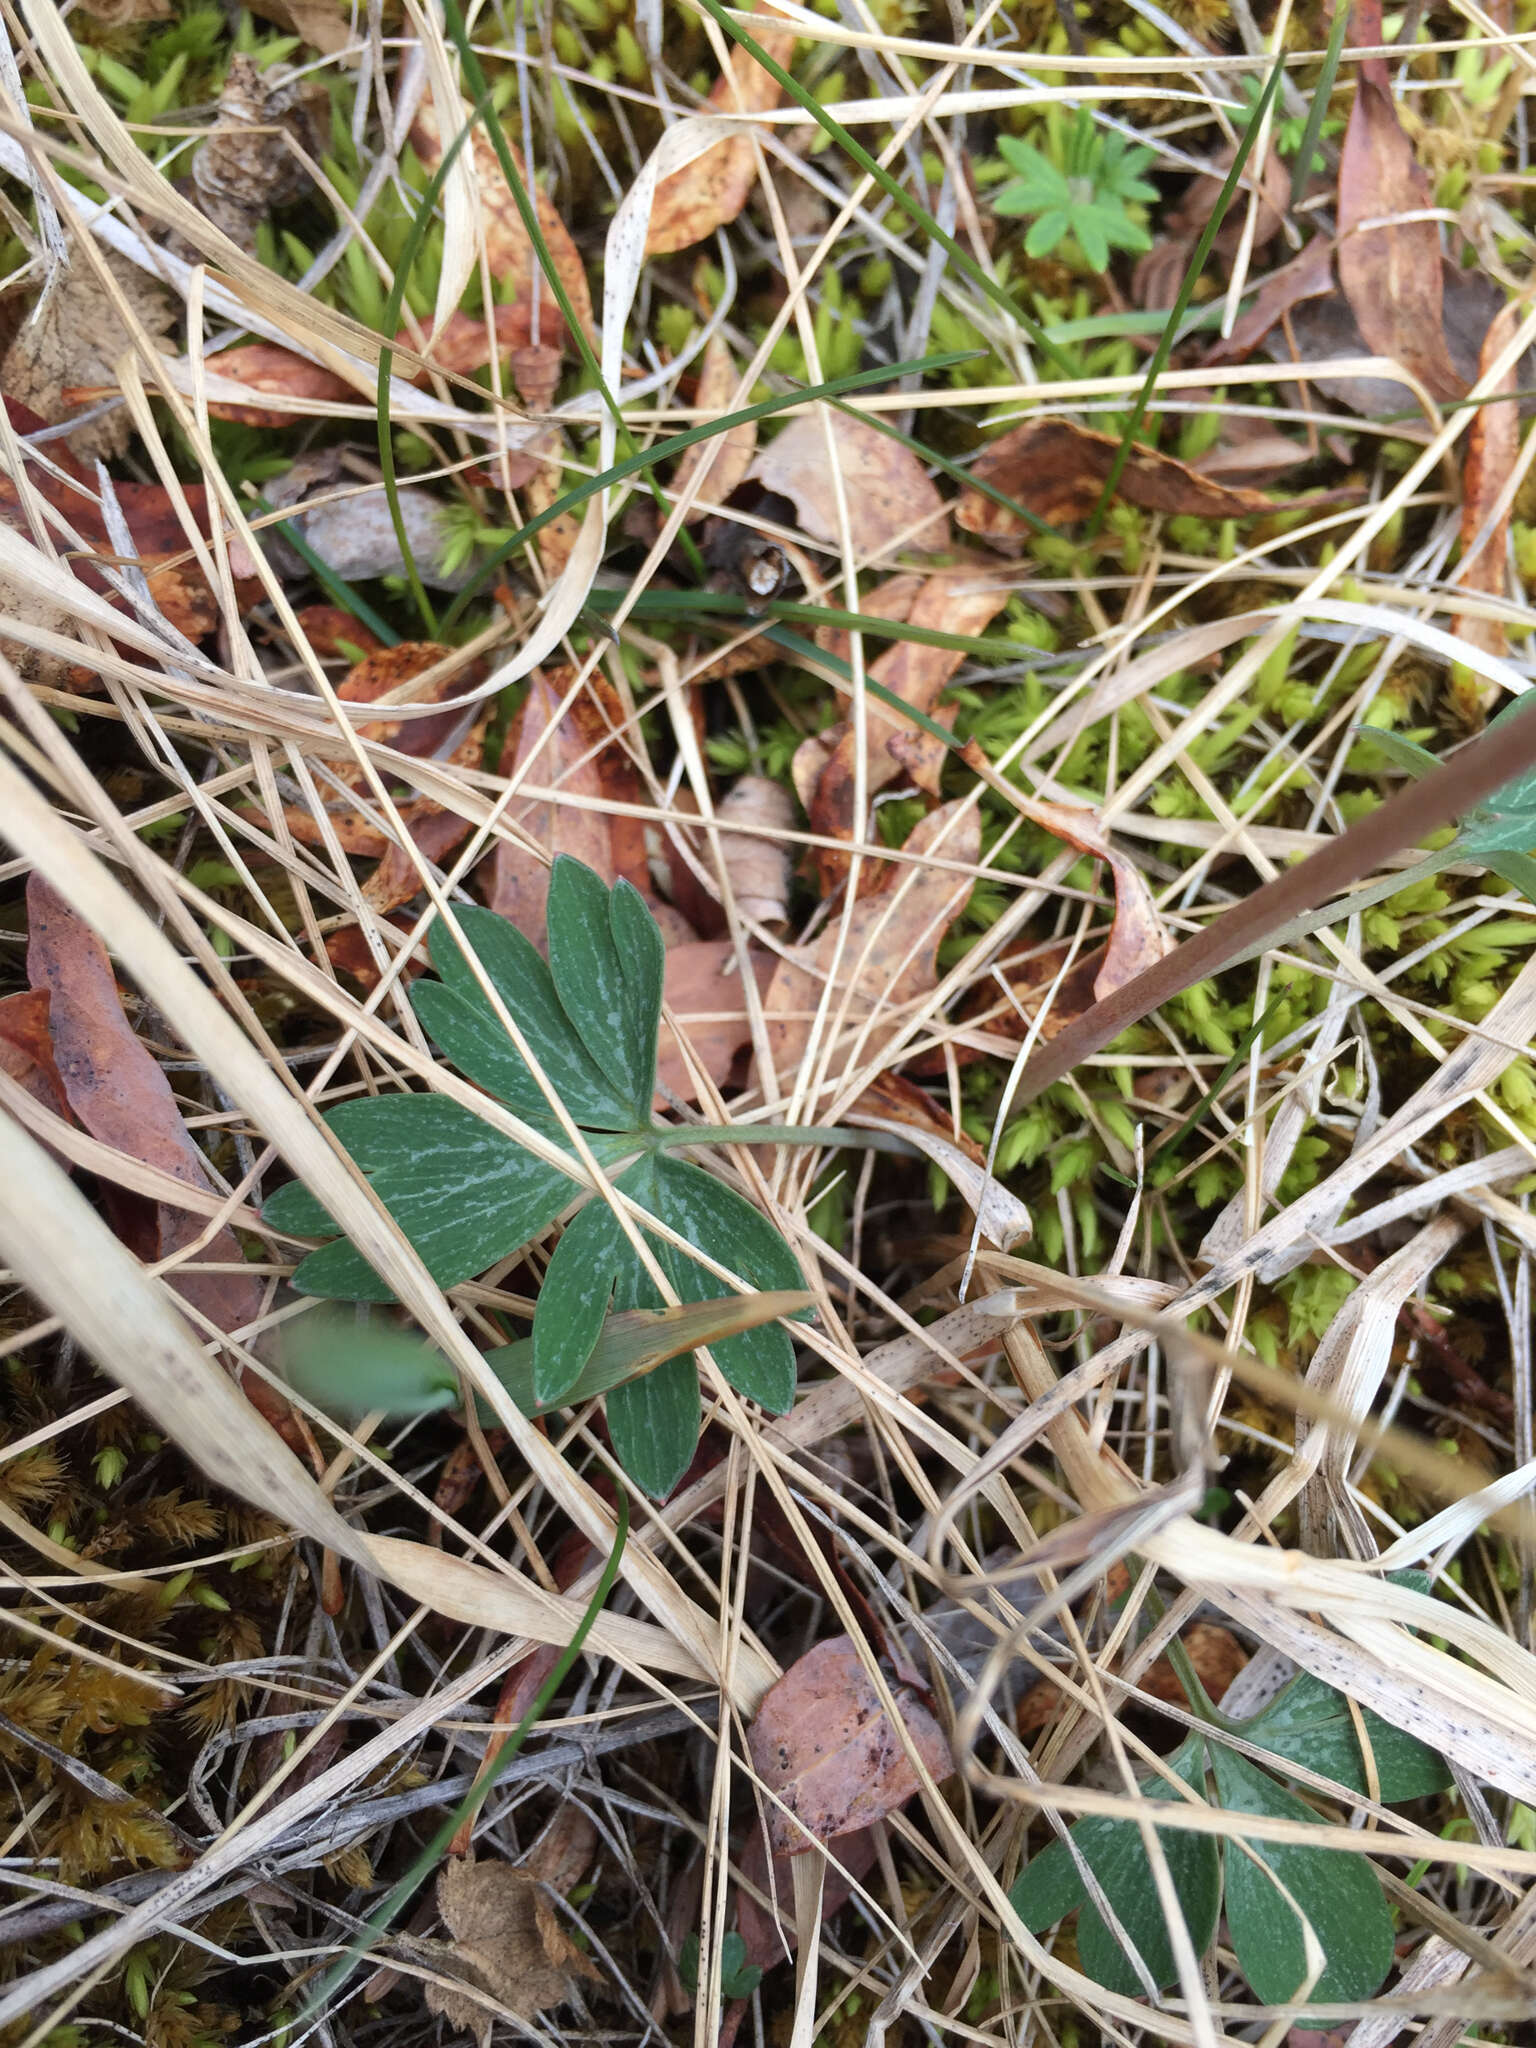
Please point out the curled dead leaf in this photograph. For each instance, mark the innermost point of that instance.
(757, 863)
(508, 1944)
(1493, 448)
(77, 338)
(248, 163)
(1137, 936)
(1389, 241)
(1057, 470)
(891, 499)
(709, 193)
(509, 251)
(824, 1743)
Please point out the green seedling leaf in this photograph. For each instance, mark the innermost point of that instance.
(1402, 752)
(610, 990)
(1051, 1885)
(1311, 1724)
(1338, 1892)
(460, 1018)
(352, 1367)
(463, 1194)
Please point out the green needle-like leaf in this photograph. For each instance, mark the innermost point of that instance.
(1338, 1892)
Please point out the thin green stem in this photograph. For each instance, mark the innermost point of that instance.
(1192, 276)
(399, 1895)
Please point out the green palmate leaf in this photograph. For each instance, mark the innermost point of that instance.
(463, 1194)
(606, 956)
(1051, 1885)
(460, 1018)
(578, 1286)
(1311, 1724)
(1338, 1892)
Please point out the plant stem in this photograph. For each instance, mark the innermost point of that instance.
(671, 1136)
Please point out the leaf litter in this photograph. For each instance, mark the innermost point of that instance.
(1231, 707)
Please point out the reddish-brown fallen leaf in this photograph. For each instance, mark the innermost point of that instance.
(709, 193)
(704, 993)
(889, 950)
(917, 674)
(770, 1937)
(509, 251)
(890, 497)
(575, 752)
(824, 1743)
(545, 484)
(333, 633)
(1493, 448)
(116, 1091)
(1215, 1652)
(1389, 266)
(1057, 470)
(1136, 937)
(1307, 276)
(26, 1048)
(727, 457)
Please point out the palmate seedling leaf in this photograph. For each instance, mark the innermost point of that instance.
(457, 1014)
(607, 958)
(1338, 1892)
(463, 1194)
(1051, 1885)
(1311, 1724)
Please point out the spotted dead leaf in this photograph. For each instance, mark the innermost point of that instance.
(883, 950)
(248, 165)
(891, 499)
(571, 750)
(726, 458)
(508, 1943)
(1136, 937)
(1493, 448)
(1057, 470)
(509, 251)
(115, 1089)
(76, 339)
(824, 1743)
(710, 192)
(1389, 239)
(917, 674)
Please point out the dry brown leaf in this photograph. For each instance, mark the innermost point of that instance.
(758, 865)
(574, 752)
(1307, 276)
(26, 1048)
(893, 599)
(247, 166)
(770, 1938)
(1390, 272)
(890, 496)
(508, 1942)
(890, 942)
(1057, 470)
(556, 539)
(704, 994)
(509, 251)
(324, 24)
(115, 1090)
(125, 13)
(727, 457)
(77, 339)
(1215, 1652)
(1493, 448)
(824, 1743)
(917, 674)
(1137, 937)
(709, 193)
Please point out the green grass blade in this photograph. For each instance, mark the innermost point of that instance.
(1317, 113)
(384, 1915)
(661, 451)
(963, 261)
(1192, 276)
